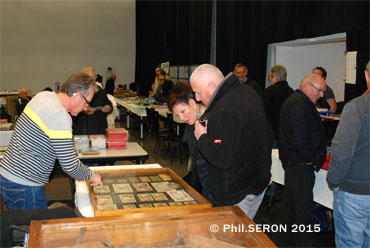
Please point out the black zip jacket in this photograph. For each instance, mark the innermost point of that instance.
(302, 137)
(237, 144)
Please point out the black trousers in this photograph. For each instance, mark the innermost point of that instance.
(297, 205)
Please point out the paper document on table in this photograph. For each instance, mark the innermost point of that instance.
(351, 66)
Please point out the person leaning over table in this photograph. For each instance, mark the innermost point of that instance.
(302, 150)
(182, 102)
(164, 89)
(236, 139)
(349, 172)
(42, 134)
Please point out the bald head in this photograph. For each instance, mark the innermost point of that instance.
(313, 85)
(90, 71)
(204, 81)
(23, 93)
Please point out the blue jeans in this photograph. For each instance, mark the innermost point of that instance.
(351, 219)
(18, 196)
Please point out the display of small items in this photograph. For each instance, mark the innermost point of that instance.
(140, 192)
(82, 142)
(116, 138)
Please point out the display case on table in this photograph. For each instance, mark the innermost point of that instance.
(142, 190)
(207, 227)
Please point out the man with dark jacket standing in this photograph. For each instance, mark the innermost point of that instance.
(302, 150)
(273, 98)
(93, 120)
(349, 172)
(241, 71)
(236, 140)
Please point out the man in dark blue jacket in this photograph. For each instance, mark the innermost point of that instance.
(236, 139)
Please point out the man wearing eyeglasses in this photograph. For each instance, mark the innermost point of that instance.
(302, 150)
(43, 133)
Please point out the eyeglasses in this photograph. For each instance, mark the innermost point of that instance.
(318, 89)
(87, 102)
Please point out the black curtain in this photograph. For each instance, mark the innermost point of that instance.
(175, 31)
(239, 38)
(244, 29)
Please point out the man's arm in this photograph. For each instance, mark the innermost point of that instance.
(219, 144)
(70, 163)
(332, 105)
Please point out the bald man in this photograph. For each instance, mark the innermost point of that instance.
(22, 101)
(235, 140)
(93, 120)
(302, 150)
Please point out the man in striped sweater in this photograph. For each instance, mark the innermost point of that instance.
(44, 133)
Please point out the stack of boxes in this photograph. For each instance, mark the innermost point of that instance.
(116, 138)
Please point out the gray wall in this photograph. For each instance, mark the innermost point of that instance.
(43, 42)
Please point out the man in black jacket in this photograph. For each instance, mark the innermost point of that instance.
(22, 101)
(235, 140)
(93, 120)
(273, 98)
(241, 71)
(302, 149)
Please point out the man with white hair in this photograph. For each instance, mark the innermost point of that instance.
(235, 140)
(349, 172)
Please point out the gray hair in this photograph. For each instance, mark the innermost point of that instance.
(78, 82)
(279, 71)
(367, 66)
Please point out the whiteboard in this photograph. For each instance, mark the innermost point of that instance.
(301, 57)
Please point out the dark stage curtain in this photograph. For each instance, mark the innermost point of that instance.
(244, 29)
(175, 31)
(239, 38)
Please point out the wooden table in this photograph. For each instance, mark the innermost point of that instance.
(82, 195)
(133, 152)
(322, 194)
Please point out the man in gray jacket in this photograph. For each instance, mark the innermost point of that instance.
(349, 173)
